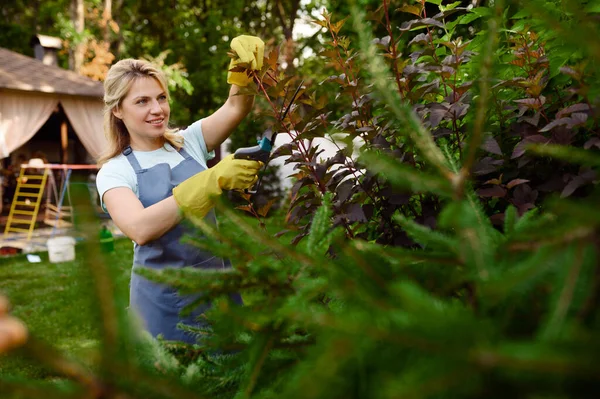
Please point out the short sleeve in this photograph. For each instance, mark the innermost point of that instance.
(194, 142)
(114, 174)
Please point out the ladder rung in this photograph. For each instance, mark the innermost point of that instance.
(32, 177)
(59, 214)
(62, 213)
(23, 203)
(20, 212)
(20, 194)
(62, 208)
(31, 185)
(22, 221)
(16, 229)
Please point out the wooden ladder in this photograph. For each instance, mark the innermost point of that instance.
(26, 202)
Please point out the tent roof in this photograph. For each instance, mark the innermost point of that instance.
(19, 72)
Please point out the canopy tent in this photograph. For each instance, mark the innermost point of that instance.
(31, 90)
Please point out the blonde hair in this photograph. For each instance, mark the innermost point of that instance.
(118, 81)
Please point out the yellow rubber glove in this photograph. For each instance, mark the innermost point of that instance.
(195, 196)
(249, 50)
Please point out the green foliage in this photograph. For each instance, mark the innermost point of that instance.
(430, 265)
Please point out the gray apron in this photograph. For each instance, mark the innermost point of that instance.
(159, 305)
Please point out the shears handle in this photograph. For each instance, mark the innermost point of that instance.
(260, 152)
(253, 153)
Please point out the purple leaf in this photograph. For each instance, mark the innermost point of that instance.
(487, 165)
(299, 184)
(572, 108)
(458, 109)
(450, 60)
(573, 185)
(295, 157)
(571, 72)
(493, 181)
(523, 194)
(523, 161)
(519, 149)
(532, 103)
(320, 170)
(337, 178)
(594, 141)
(495, 191)
(420, 23)
(554, 123)
(280, 233)
(524, 207)
(384, 41)
(344, 190)
(509, 82)
(563, 136)
(448, 71)
(355, 213)
(533, 120)
(299, 237)
(441, 132)
(285, 149)
(425, 89)
(516, 182)
(491, 145)
(368, 210)
(421, 38)
(578, 118)
(338, 158)
(437, 113)
(588, 175)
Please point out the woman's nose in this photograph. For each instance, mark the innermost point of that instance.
(155, 107)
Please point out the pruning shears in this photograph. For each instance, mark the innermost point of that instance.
(262, 150)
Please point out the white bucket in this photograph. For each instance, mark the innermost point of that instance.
(61, 249)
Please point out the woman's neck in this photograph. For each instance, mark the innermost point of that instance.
(147, 145)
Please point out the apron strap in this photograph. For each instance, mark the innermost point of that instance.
(184, 153)
(128, 152)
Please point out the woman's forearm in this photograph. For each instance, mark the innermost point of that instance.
(217, 127)
(140, 224)
(156, 220)
(242, 104)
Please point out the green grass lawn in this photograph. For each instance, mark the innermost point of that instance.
(57, 301)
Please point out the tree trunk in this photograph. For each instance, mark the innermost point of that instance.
(117, 45)
(36, 12)
(107, 17)
(76, 53)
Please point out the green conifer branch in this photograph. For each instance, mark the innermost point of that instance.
(569, 154)
(563, 303)
(426, 237)
(406, 177)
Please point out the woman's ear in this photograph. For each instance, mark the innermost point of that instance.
(117, 112)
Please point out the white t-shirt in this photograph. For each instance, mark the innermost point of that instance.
(118, 172)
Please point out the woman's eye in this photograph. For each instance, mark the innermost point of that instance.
(162, 98)
(141, 101)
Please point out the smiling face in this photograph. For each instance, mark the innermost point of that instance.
(145, 112)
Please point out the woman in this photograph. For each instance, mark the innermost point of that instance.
(154, 176)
